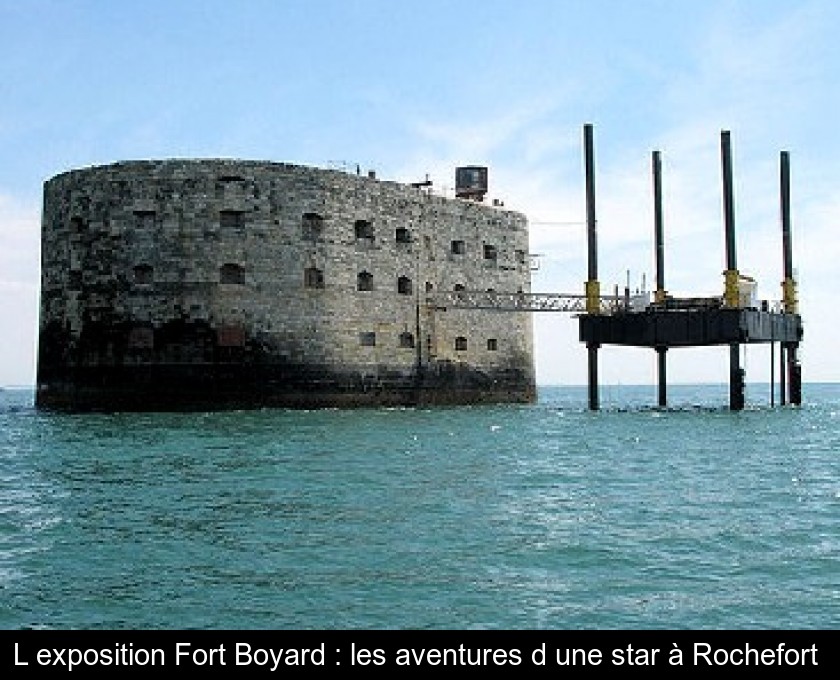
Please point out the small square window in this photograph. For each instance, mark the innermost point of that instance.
(460, 344)
(144, 219)
(232, 273)
(364, 281)
(364, 230)
(404, 286)
(492, 344)
(367, 339)
(143, 274)
(230, 336)
(490, 252)
(313, 277)
(141, 337)
(458, 248)
(406, 340)
(230, 219)
(312, 225)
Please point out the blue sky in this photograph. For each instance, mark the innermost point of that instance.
(410, 88)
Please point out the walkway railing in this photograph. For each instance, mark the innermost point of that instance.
(570, 303)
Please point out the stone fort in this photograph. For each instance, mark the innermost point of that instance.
(203, 284)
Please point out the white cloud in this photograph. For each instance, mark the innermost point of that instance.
(19, 273)
(19, 242)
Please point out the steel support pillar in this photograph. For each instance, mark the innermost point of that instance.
(594, 404)
(662, 377)
(782, 374)
(736, 378)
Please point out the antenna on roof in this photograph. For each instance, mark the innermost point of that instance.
(425, 183)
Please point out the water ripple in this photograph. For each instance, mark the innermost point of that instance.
(543, 516)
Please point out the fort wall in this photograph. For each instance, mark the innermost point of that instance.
(215, 283)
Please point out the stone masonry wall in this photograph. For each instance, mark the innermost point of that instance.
(214, 283)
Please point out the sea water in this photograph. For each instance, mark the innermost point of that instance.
(543, 516)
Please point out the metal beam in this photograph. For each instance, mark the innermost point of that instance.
(728, 202)
(593, 287)
(658, 230)
(571, 303)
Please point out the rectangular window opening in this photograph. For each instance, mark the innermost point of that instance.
(313, 226)
(144, 219)
(231, 219)
(364, 230)
(406, 340)
(313, 277)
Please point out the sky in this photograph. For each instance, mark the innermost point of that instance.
(410, 89)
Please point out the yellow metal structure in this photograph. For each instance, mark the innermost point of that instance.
(593, 297)
(731, 291)
(791, 304)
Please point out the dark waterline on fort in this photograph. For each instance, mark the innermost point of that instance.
(516, 516)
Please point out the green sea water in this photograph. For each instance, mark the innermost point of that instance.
(544, 516)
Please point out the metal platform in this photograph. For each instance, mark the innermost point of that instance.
(733, 319)
(690, 328)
